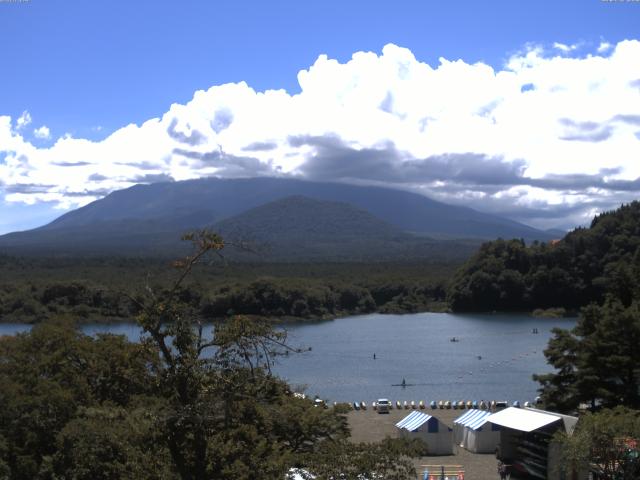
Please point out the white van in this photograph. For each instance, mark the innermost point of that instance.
(383, 405)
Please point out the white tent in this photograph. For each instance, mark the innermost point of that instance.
(437, 436)
(524, 419)
(527, 440)
(475, 433)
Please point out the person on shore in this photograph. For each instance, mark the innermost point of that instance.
(502, 471)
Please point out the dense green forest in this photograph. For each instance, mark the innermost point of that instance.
(583, 267)
(504, 275)
(105, 289)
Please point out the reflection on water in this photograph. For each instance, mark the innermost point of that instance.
(493, 359)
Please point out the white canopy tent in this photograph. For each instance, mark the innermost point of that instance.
(437, 436)
(524, 419)
(475, 433)
(527, 440)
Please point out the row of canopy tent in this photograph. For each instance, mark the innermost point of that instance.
(471, 431)
(476, 430)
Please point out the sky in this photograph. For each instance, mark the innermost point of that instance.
(529, 110)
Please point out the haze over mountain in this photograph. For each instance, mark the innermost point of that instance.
(279, 212)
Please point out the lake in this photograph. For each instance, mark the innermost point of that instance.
(493, 360)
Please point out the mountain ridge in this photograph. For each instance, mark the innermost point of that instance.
(366, 222)
(228, 197)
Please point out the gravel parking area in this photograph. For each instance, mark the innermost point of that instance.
(370, 426)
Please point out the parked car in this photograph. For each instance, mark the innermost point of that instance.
(384, 405)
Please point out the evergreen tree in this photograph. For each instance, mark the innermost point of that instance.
(597, 362)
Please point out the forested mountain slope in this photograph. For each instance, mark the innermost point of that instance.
(583, 267)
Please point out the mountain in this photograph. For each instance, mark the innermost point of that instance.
(300, 228)
(148, 218)
(294, 228)
(212, 199)
(556, 233)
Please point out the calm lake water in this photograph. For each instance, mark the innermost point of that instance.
(494, 359)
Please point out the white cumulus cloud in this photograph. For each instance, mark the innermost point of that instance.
(545, 139)
(23, 120)
(604, 47)
(42, 132)
(564, 48)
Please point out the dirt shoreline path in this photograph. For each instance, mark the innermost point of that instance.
(370, 426)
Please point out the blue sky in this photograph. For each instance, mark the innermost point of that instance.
(86, 70)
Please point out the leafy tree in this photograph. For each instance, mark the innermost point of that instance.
(597, 362)
(388, 459)
(47, 376)
(558, 390)
(105, 443)
(608, 442)
(225, 415)
(583, 267)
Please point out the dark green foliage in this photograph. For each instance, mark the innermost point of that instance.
(583, 267)
(598, 362)
(48, 376)
(389, 459)
(607, 442)
(93, 290)
(110, 443)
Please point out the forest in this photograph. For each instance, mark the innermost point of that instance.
(104, 289)
(583, 267)
(504, 275)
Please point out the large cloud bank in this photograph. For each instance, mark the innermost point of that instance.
(549, 139)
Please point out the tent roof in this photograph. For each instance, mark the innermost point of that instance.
(568, 420)
(413, 421)
(473, 419)
(522, 419)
